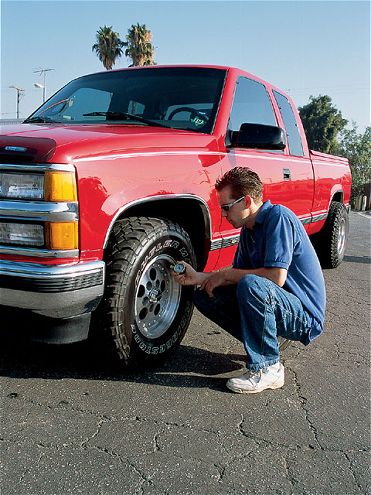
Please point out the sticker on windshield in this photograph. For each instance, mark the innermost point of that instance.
(197, 121)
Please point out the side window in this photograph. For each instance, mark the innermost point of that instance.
(292, 131)
(251, 105)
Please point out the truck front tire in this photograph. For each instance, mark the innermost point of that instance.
(145, 313)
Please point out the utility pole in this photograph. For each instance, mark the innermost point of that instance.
(20, 93)
(42, 72)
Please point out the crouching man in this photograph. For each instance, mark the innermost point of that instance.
(274, 288)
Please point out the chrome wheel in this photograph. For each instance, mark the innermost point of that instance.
(341, 236)
(157, 298)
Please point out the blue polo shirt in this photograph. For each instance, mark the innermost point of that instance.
(278, 239)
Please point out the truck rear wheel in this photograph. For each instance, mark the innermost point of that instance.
(145, 313)
(330, 243)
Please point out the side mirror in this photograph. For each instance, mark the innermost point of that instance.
(266, 137)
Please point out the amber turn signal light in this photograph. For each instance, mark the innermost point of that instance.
(60, 186)
(62, 235)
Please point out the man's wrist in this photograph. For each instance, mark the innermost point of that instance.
(202, 276)
(228, 275)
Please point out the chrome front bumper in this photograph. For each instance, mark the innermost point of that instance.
(56, 291)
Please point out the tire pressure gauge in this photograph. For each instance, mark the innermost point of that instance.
(179, 268)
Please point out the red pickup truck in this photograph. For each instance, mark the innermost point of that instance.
(111, 181)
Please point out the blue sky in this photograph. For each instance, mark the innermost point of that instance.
(304, 47)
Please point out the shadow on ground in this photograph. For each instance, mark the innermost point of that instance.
(186, 367)
(358, 259)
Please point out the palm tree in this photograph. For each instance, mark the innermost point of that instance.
(139, 45)
(108, 46)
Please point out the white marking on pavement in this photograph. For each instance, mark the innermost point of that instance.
(366, 215)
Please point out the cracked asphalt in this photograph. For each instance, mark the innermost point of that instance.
(69, 425)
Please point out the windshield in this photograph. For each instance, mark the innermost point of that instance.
(178, 97)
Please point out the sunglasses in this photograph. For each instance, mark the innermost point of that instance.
(228, 206)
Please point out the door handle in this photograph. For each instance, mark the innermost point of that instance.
(286, 174)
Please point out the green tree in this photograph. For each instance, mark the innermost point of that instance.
(356, 147)
(322, 123)
(108, 46)
(139, 45)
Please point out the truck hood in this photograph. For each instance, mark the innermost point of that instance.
(66, 143)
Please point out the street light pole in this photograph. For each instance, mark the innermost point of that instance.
(43, 71)
(20, 93)
(40, 86)
(44, 74)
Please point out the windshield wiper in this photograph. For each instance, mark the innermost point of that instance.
(124, 116)
(39, 120)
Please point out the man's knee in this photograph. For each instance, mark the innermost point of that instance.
(253, 287)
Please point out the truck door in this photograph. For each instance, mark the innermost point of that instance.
(298, 170)
(287, 180)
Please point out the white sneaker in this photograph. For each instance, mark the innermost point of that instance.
(253, 382)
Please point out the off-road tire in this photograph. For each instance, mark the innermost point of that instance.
(330, 242)
(139, 283)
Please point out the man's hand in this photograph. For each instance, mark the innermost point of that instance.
(215, 279)
(190, 276)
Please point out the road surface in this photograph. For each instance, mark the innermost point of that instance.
(71, 426)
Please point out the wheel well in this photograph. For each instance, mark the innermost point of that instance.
(189, 213)
(338, 196)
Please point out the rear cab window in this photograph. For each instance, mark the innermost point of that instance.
(292, 130)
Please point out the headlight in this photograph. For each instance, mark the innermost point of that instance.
(55, 235)
(21, 186)
(53, 186)
(21, 234)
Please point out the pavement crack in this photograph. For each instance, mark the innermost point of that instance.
(260, 440)
(337, 347)
(156, 446)
(143, 478)
(176, 425)
(61, 404)
(221, 472)
(249, 436)
(99, 427)
(222, 469)
(240, 425)
(352, 472)
(303, 401)
(109, 452)
(27, 470)
(112, 453)
(289, 476)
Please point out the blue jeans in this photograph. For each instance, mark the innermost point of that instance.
(256, 312)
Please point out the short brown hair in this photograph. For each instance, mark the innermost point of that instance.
(242, 181)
